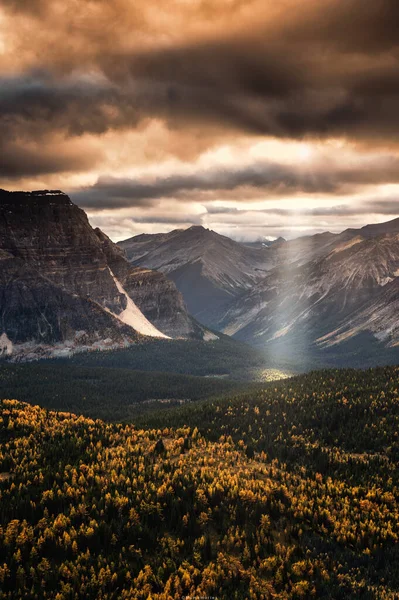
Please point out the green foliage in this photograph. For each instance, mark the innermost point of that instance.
(221, 357)
(106, 393)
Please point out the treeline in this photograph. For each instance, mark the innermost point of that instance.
(221, 357)
(107, 393)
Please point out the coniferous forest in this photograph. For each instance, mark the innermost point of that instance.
(286, 491)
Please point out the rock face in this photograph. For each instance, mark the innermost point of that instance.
(34, 311)
(351, 289)
(312, 294)
(154, 294)
(46, 230)
(209, 269)
(61, 282)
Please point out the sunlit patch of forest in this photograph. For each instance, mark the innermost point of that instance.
(289, 491)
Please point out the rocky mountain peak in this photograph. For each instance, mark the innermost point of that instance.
(38, 197)
(197, 228)
(60, 277)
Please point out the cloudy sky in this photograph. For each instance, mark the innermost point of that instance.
(251, 117)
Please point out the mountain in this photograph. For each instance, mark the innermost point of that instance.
(209, 269)
(378, 316)
(64, 285)
(264, 243)
(155, 295)
(322, 302)
(306, 248)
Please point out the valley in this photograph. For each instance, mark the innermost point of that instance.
(147, 452)
(311, 297)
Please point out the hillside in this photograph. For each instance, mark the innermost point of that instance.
(116, 394)
(220, 357)
(324, 302)
(209, 269)
(289, 492)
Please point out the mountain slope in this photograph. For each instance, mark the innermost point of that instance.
(307, 248)
(154, 294)
(213, 271)
(287, 492)
(76, 280)
(378, 316)
(209, 269)
(39, 318)
(302, 303)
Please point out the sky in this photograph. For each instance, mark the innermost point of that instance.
(255, 118)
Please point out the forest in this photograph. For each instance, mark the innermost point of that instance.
(224, 356)
(109, 393)
(289, 490)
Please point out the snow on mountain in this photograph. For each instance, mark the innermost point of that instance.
(133, 317)
(56, 282)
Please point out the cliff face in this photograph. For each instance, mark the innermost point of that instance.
(156, 296)
(39, 318)
(162, 304)
(63, 282)
(54, 236)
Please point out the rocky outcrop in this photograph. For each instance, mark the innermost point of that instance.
(39, 318)
(53, 235)
(156, 296)
(159, 300)
(62, 282)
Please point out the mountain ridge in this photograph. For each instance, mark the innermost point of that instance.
(76, 280)
(209, 269)
(308, 290)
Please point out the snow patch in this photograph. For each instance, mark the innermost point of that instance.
(384, 280)
(133, 316)
(209, 336)
(5, 345)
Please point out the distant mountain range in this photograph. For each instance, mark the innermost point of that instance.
(65, 286)
(326, 292)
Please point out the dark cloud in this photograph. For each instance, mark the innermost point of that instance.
(370, 206)
(40, 103)
(378, 207)
(262, 178)
(283, 88)
(23, 160)
(110, 192)
(329, 69)
(173, 222)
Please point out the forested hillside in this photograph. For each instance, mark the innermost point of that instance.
(107, 393)
(223, 356)
(286, 492)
